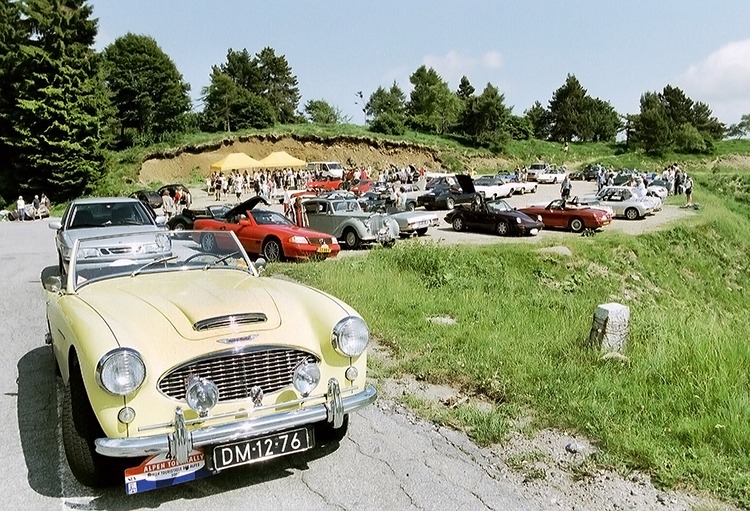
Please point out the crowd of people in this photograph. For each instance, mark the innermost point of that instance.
(36, 210)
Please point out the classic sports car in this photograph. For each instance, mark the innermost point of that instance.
(447, 196)
(268, 233)
(188, 216)
(494, 216)
(414, 222)
(344, 219)
(178, 362)
(94, 216)
(625, 202)
(325, 185)
(493, 187)
(564, 215)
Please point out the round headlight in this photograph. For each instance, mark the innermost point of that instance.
(518, 219)
(350, 336)
(201, 394)
(121, 371)
(306, 377)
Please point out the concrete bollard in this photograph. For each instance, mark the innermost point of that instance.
(610, 328)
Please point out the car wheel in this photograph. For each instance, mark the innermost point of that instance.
(179, 226)
(502, 228)
(458, 223)
(208, 242)
(410, 206)
(422, 231)
(79, 430)
(576, 225)
(327, 434)
(450, 203)
(533, 190)
(60, 264)
(512, 192)
(631, 214)
(352, 239)
(272, 251)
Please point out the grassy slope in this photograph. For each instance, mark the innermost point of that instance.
(679, 409)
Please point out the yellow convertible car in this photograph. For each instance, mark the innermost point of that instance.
(179, 362)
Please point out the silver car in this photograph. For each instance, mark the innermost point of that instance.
(345, 219)
(97, 216)
(625, 202)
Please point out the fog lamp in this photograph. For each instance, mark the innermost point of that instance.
(351, 373)
(518, 219)
(306, 377)
(126, 415)
(201, 394)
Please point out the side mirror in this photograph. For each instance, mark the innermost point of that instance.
(56, 225)
(260, 264)
(161, 221)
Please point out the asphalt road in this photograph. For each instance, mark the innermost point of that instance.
(390, 460)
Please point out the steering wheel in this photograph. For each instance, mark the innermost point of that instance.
(217, 258)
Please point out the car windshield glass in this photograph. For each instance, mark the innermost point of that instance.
(108, 214)
(265, 217)
(498, 206)
(218, 211)
(135, 255)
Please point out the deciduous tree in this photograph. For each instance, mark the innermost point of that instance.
(319, 111)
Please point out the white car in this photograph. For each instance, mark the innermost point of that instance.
(552, 175)
(625, 202)
(493, 187)
(537, 168)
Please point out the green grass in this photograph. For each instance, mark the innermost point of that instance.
(679, 409)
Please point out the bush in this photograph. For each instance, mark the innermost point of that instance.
(388, 124)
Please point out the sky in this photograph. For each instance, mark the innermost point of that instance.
(618, 49)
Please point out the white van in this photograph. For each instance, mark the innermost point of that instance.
(326, 168)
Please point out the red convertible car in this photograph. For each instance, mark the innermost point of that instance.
(267, 233)
(564, 215)
(325, 185)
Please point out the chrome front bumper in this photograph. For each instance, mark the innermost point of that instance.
(180, 442)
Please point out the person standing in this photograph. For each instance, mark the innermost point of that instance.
(300, 214)
(688, 190)
(167, 204)
(37, 207)
(287, 201)
(565, 188)
(21, 208)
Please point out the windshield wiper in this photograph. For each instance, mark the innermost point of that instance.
(220, 260)
(164, 259)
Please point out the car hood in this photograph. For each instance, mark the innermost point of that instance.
(246, 206)
(466, 183)
(157, 313)
(70, 235)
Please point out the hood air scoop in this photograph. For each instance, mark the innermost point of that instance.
(230, 320)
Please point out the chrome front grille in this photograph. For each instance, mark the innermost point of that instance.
(236, 373)
(230, 320)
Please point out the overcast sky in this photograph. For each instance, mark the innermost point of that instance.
(616, 49)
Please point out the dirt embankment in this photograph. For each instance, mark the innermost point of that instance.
(183, 163)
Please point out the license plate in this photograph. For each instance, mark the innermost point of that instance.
(262, 448)
(324, 249)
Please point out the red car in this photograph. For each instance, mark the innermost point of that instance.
(267, 233)
(568, 216)
(363, 186)
(325, 185)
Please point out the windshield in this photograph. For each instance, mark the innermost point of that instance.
(348, 206)
(499, 206)
(133, 254)
(265, 217)
(107, 214)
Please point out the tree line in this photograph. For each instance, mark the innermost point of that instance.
(63, 105)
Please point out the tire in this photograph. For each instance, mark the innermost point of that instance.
(325, 434)
(533, 190)
(352, 239)
(272, 250)
(208, 242)
(179, 226)
(79, 430)
(60, 264)
(631, 214)
(576, 225)
(512, 192)
(502, 228)
(458, 223)
(410, 206)
(422, 231)
(450, 203)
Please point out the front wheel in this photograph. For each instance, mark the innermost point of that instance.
(422, 231)
(179, 226)
(410, 206)
(576, 225)
(450, 203)
(631, 214)
(502, 228)
(458, 223)
(352, 239)
(272, 251)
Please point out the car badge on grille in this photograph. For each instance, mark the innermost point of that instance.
(235, 340)
(256, 394)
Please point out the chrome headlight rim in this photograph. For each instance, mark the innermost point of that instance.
(347, 340)
(207, 394)
(105, 365)
(306, 377)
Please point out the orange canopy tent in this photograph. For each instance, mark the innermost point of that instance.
(235, 161)
(280, 159)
